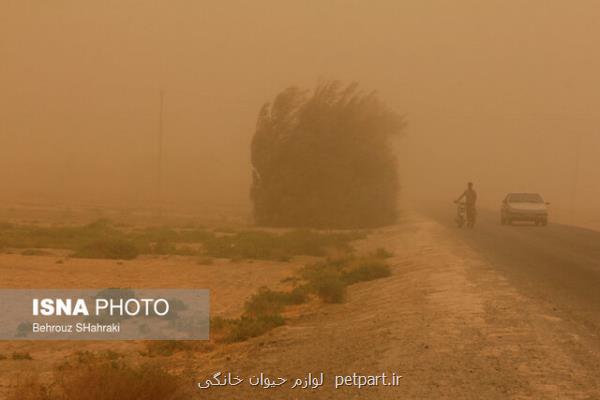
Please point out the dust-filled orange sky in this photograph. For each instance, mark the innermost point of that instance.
(498, 92)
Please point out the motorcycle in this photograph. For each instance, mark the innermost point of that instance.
(462, 217)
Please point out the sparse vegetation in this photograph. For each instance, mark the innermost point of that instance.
(262, 313)
(102, 240)
(218, 325)
(56, 237)
(166, 241)
(270, 246)
(205, 261)
(382, 253)
(271, 302)
(248, 327)
(21, 356)
(166, 347)
(366, 270)
(35, 252)
(328, 279)
(330, 288)
(99, 379)
(87, 357)
(108, 248)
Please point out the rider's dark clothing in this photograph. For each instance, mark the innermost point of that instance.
(470, 196)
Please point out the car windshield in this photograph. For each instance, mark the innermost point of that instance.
(525, 198)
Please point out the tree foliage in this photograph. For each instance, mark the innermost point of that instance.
(324, 159)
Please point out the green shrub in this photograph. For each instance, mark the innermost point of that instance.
(114, 249)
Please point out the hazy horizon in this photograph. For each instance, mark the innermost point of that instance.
(495, 92)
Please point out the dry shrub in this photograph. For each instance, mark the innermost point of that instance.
(103, 380)
(382, 253)
(166, 347)
(248, 327)
(366, 270)
(329, 279)
(108, 248)
(272, 302)
(231, 330)
(330, 288)
(19, 356)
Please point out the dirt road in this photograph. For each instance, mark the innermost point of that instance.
(449, 320)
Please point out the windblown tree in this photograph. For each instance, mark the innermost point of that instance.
(324, 159)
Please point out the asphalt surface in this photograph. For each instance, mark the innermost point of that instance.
(556, 264)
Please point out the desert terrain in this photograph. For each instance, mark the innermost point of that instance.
(448, 319)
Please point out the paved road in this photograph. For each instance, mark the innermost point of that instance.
(557, 264)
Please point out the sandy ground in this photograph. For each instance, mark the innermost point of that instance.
(446, 321)
(230, 283)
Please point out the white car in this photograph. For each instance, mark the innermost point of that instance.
(524, 207)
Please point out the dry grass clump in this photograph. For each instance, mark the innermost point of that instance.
(380, 252)
(21, 356)
(108, 248)
(166, 347)
(98, 378)
(245, 327)
(272, 302)
(329, 279)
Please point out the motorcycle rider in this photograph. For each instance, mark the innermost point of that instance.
(470, 196)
